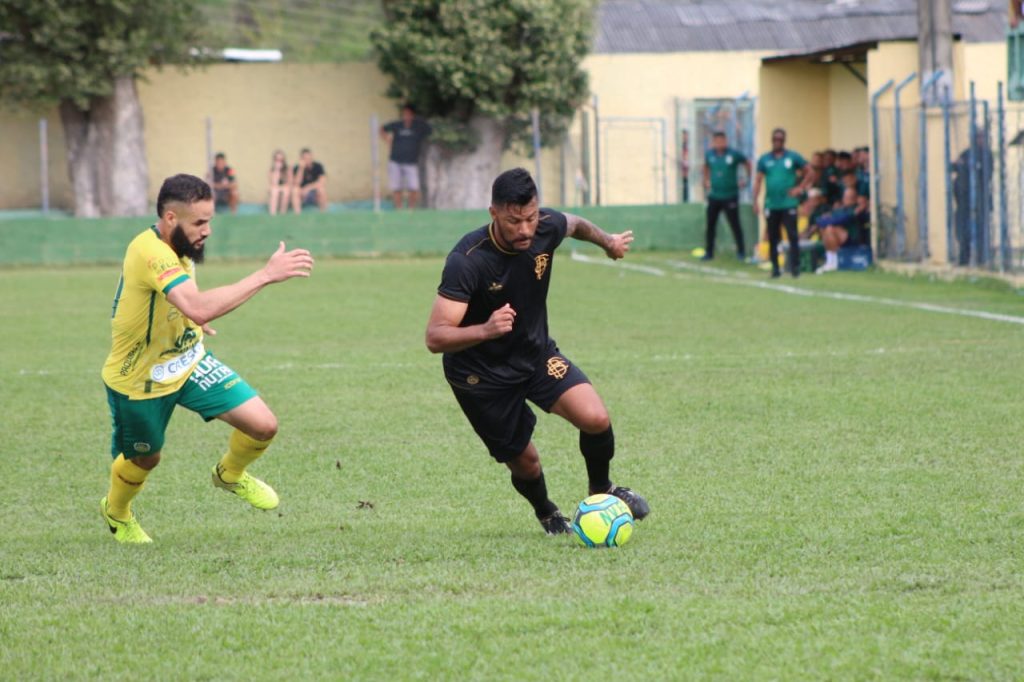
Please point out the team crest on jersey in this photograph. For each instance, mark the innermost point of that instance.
(495, 286)
(141, 447)
(788, 163)
(557, 367)
(728, 159)
(540, 264)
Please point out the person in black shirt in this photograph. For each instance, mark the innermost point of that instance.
(224, 183)
(309, 183)
(490, 321)
(406, 137)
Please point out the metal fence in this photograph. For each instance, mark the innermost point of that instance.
(962, 159)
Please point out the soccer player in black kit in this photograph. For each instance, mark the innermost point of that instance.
(490, 320)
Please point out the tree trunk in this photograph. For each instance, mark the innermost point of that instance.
(107, 153)
(463, 179)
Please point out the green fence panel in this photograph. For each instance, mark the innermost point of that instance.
(70, 241)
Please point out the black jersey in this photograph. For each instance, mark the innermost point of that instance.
(482, 274)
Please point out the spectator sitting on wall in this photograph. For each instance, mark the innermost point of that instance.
(848, 180)
(309, 183)
(837, 228)
(223, 183)
(406, 137)
(280, 184)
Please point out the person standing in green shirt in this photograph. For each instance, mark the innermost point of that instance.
(721, 166)
(786, 175)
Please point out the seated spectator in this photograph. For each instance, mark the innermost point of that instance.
(280, 184)
(863, 168)
(848, 180)
(812, 208)
(309, 183)
(223, 183)
(837, 227)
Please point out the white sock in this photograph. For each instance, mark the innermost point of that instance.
(831, 258)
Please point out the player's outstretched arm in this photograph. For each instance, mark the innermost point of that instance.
(203, 307)
(444, 335)
(614, 245)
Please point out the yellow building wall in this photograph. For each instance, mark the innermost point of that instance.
(795, 97)
(848, 108)
(985, 64)
(635, 166)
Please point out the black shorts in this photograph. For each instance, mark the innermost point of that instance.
(499, 413)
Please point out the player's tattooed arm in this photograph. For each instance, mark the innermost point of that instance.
(614, 245)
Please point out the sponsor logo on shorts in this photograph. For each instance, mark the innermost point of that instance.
(472, 380)
(177, 366)
(141, 447)
(211, 372)
(540, 264)
(557, 367)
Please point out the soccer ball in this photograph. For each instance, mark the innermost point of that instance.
(602, 521)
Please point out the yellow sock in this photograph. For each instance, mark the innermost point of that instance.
(242, 451)
(126, 481)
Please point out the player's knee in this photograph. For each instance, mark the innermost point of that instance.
(147, 462)
(264, 428)
(595, 421)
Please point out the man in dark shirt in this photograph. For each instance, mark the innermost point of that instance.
(224, 183)
(310, 183)
(406, 136)
(490, 321)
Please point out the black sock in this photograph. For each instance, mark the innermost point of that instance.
(536, 493)
(598, 450)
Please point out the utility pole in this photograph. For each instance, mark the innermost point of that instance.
(935, 48)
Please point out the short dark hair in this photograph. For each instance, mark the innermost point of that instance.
(411, 107)
(513, 188)
(184, 188)
(305, 150)
(779, 131)
(845, 156)
(220, 155)
(718, 133)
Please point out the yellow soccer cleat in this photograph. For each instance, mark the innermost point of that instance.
(249, 488)
(129, 532)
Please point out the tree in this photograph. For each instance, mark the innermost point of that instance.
(476, 68)
(85, 56)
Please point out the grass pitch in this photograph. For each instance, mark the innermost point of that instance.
(836, 489)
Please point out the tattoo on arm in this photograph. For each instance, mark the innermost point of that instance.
(584, 230)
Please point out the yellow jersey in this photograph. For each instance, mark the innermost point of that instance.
(154, 347)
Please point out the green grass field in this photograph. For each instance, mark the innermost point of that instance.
(836, 489)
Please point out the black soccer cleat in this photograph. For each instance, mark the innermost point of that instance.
(635, 502)
(556, 524)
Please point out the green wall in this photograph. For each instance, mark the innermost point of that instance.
(66, 241)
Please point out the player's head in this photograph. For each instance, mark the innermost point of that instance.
(306, 155)
(778, 139)
(220, 161)
(514, 209)
(185, 208)
(408, 113)
(719, 141)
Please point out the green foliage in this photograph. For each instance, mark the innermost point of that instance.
(455, 59)
(53, 50)
(304, 30)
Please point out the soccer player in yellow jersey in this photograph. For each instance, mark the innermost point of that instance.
(157, 358)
